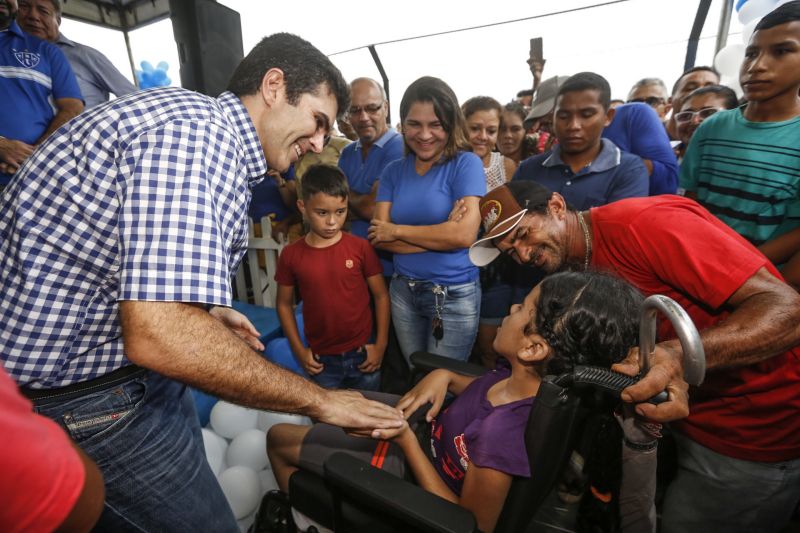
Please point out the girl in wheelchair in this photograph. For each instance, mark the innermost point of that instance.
(477, 443)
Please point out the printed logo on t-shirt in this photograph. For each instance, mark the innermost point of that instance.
(348, 263)
(461, 448)
(27, 59)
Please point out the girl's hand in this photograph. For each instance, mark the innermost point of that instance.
(432, 389)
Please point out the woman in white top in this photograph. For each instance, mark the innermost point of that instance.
(482, 114)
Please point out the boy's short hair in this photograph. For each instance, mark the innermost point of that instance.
(788, 12)
(584, 81)
(325, 179)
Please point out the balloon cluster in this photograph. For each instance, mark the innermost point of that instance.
(235, 438)
(729, 59)
(153, 77)
(236, 449)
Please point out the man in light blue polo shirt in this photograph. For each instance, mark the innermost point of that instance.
(364, 160)
(97, 76)
(585, 169)
(38, 92)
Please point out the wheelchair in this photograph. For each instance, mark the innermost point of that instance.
(355, 497)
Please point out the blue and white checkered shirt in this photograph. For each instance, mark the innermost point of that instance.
(143, 198)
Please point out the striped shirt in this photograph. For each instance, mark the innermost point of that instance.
(142, 198)
(746, 173)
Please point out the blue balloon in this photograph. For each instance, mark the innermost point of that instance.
(163, 65)
(739, 4)
(146, 66)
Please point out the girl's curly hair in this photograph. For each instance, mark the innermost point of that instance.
(587, 318)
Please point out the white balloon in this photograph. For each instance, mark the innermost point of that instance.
(246, 522)
(755, 9)
(267, 419)
(215, 450)
(727, 62)
(748, 29)
(242, 489)
(733, 83)
(249, 448)
(268, 482)
(229, 420)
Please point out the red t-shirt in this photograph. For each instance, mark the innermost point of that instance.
(672, 246)
(333, 287)
(41, 475)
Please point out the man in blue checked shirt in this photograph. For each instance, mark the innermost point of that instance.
(117, 243)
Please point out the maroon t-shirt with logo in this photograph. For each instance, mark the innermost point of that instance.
(333, 287)
(472, 430)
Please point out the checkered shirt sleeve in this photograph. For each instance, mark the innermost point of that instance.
(144, 198)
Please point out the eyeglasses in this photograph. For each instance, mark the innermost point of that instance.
(371, 109)
(652, 101)
(688, 116)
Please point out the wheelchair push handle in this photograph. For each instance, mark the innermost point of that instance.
(694, 358)
(608, 381)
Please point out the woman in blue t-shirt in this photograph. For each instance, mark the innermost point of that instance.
(435, 290)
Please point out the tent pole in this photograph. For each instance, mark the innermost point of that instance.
(724, 25)
(384, 77)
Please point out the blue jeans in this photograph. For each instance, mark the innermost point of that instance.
(341, 372)
(414, 308)
(144, 436)
(713, 492)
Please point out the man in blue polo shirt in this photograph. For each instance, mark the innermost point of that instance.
(38, 92)
(97, 76)
(584, 168)
(364, 160)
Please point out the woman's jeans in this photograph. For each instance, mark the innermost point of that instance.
(414, 304)
(145, 438)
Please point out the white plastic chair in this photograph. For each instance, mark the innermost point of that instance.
(260, 289)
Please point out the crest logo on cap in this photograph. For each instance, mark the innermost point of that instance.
(490, 213)
(27, 59)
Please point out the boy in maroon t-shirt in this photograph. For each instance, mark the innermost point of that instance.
(334, 273)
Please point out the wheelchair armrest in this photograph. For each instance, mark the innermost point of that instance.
(379, 490)
(427, 362)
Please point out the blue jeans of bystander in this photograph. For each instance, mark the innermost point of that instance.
(414, 308)
(341, 372)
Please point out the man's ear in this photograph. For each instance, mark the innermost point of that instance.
(557, 205)
(610, 115)
(535, 349)
(272, 84)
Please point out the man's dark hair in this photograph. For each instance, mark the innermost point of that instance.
(689, 71)
(525, 92)
(730, 100)
(788, 12)
(304, 68)
(584, 81)
(325, 179)
(481, 103)
(445, 105)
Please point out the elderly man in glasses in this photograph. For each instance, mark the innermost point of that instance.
(653, 92)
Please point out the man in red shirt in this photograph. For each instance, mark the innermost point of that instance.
(739, 449)
(46, 482)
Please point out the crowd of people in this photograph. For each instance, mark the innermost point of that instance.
(520, 236)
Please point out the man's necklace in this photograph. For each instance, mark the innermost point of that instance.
(587, 239)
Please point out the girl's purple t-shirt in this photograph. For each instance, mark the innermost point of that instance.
(472, 430)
